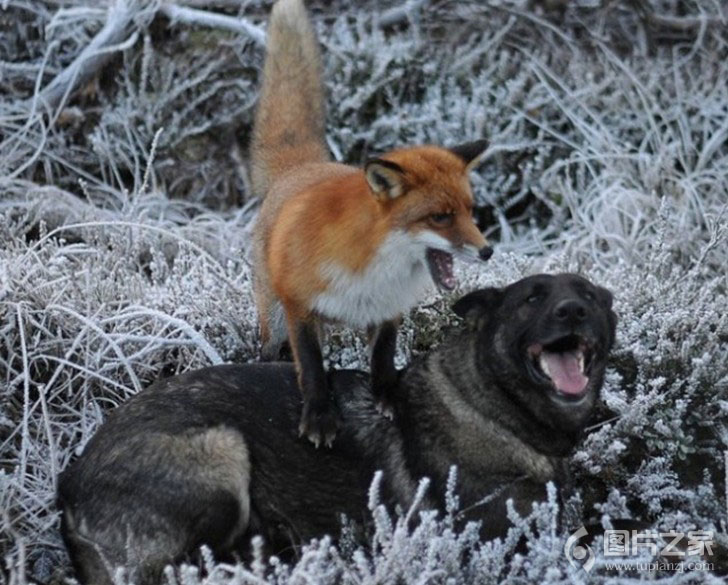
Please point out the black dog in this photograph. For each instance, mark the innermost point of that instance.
(213, 456)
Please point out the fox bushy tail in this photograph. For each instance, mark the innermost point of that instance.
(289, 127)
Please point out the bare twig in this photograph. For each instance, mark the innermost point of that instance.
(684, 23)
(689, 24)
(407, 12)
(211, 19)
(211, 3)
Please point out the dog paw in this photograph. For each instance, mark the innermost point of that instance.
(319, 424)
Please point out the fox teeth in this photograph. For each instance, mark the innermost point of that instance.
(544, 365)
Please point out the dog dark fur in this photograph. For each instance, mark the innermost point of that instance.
(213, 456)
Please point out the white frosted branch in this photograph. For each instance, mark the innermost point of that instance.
(211, 19)
(403, 13)
(211, 3)
(110, 39)
(677, 23)
(135, 312)
(683, 24)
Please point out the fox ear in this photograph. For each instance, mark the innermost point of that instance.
(470, 153)
(475, 307)
(385, 178)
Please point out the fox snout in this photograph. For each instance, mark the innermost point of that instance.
(473, 252)
(485, 252)
(474, 241)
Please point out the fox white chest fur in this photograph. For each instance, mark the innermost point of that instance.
(395, 279)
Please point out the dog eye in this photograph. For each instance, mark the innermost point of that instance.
(589, 296)
(442, 219)
(533, 298)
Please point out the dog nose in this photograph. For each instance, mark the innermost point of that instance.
(485, 252)
(571, 311)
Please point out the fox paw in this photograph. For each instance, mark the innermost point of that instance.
(385, 408)
(384, 393)
(319, 424)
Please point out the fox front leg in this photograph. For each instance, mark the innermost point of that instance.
(319, 419)
(385, 376)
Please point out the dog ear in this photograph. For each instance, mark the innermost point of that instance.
(470, 153)
(385, 178)
(477, 306)
(606, 299)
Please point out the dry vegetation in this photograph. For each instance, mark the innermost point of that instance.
(124, 222)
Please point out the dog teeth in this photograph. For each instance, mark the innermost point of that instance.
(580, 360)
(544, 365)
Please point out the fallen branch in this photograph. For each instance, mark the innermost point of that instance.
(120, 31)
(116, 35)
(235, 4)
(405, 13)
(674, 23)
(683, 24)
(212, 19)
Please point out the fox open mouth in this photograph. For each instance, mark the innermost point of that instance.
(440, 264)
(564, 364)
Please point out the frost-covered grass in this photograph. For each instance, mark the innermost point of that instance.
(123, 253)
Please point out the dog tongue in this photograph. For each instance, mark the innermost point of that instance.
(565, 372)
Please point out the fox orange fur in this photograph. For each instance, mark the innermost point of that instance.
(341, 243)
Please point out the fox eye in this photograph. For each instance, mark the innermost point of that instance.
(441, 219)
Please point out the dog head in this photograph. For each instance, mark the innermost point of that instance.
(545, 341)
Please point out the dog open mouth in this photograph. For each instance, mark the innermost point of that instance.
(564, 364)
(440, 264)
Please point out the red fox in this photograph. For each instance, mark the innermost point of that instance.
(335, 242)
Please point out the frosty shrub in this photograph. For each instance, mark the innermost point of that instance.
(125, 219)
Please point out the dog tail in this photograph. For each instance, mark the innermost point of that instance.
(289, 128)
